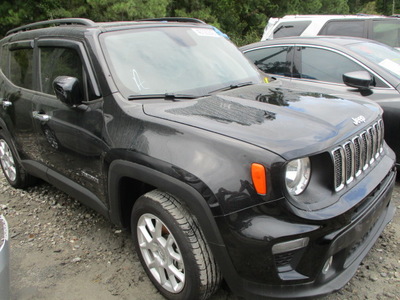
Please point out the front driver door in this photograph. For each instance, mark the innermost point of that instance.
(70, 139)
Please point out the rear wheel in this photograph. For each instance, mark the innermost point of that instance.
(14, 173)
(172, 248)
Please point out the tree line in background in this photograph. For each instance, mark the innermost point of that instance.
(242, 20)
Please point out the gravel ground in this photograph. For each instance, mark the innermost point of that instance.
(63, 250)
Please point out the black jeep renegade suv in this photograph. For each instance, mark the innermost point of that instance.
(165, 128)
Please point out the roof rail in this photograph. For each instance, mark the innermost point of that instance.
(175, 19)
(65, 21)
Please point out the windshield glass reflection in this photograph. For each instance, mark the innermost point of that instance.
(175, 60)
(384, 56)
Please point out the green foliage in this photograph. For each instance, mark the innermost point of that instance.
(335, 6)
(243, 21)
(388, 7)
(369, 8)
(111, 10)
(300, 7)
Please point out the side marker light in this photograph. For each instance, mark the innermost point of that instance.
(259, 177)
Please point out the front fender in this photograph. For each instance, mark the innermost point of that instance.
(188, 194)
(196, 203)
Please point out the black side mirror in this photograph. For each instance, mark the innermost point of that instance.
(68, 90)
(359, 79)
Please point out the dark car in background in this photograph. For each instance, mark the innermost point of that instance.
(165, 128)
(347, 65)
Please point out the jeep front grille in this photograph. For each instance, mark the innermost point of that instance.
(357, 154)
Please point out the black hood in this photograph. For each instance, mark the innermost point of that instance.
(281, 120)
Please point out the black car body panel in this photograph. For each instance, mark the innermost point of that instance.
(115, 145)
(262, 110)
(346, 245)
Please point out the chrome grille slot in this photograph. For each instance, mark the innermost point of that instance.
(380, 135)
(358, 162)
(377, 142)
(355, 156)
(349, 162)
(365, 149)
(338, 159)
(372, 137)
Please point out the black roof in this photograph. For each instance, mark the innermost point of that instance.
(82, 24)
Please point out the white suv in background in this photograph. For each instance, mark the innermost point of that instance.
(380, 28)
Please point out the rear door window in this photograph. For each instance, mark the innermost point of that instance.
(21, 63)
(4, 59)
(273, 60)
(345, 28)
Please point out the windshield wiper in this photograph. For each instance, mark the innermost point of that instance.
(232, 86)
(165, 96)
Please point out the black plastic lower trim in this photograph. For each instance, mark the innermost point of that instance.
(66, 185)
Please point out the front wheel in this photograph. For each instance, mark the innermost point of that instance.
(172, 249)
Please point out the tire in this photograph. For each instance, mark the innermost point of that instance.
(172, 248)
(12, 169)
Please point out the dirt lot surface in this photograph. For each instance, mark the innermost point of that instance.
(62, 250)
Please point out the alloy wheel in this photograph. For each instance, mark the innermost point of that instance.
(161, 253)
(7, 161)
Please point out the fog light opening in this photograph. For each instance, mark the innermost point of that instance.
(327, 265)
(290, 245)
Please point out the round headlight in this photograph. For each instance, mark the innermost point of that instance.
(298, 173)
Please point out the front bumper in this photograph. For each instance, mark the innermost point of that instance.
(342, 241)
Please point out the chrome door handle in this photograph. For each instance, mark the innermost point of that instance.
(5, 103)
(40, 116)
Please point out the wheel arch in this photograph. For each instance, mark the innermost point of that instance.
(3, 126)
(127, 178)
(8, 135)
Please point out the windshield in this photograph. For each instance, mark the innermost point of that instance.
(384, 56)
(174, 60)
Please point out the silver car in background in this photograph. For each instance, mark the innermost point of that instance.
(4, 260)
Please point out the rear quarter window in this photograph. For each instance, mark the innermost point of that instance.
(290, 28)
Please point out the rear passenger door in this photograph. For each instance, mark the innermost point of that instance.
(69, 138)
(17, 92)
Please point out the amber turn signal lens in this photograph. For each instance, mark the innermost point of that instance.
(259, 177)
